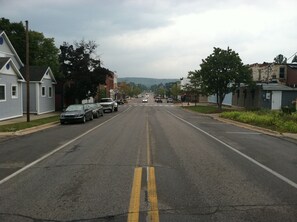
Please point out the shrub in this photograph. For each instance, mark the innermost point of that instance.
(269, 119)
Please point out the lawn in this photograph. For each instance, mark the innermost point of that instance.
(274, 120)
(24, 125)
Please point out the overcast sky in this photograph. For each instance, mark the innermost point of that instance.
(164, 38)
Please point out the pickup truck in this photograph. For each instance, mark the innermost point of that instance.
(109, 104)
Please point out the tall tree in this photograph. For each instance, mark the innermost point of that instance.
(221, 72)
(196, 83)
(280, 59)
(16, 34)
(81, 69)
(175, 90)
(43, 51)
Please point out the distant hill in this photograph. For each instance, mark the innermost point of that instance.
(148, 82)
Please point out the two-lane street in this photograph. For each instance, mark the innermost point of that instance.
(148, 162)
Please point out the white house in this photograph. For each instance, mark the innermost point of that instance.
(11, 97)
(42, 90)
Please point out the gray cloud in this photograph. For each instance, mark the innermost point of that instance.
(164, 38)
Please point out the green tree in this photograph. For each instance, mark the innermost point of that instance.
(42, 50)
(221, 72)
(159, 90)
(17, 36)
(82, 71)
(196, 83)
(124, 89)
(280, 59)
(175, 90)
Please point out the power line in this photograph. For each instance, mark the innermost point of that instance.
(292, 55)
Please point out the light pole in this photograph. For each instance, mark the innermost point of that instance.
(181, 99)
(27, 71)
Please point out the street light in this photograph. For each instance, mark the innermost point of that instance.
(181, 99)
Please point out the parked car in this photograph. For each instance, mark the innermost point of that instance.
(169, 100)
(120, 102)
(76, 113)
(109, 104)
(115, 106)
(145, 100)
(158, 100)
(96, 108)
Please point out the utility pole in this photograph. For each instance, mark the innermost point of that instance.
(27, 72)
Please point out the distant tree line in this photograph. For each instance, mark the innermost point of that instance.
(131, 89)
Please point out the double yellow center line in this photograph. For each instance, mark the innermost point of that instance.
(135, 196)
(153, 214)
(152, 195)
(133, 215)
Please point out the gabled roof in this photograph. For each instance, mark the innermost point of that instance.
(37, 73)
(3, 34)
(7, 60)
(3, 61)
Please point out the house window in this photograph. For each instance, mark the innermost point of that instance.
(50, 92)
(2, 93)
(14, 91)
(43, 91)
(282, 72)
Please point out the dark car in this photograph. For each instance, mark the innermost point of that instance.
(96, 108)
(158, 100)
(76, 113)
(120, 101)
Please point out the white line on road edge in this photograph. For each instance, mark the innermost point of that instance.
(55, 150)
(281, 177)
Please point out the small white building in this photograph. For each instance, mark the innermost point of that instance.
(11, 96)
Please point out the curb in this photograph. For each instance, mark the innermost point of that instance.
(257, 128)
(251, 127)
(248, 126)
(29, 130)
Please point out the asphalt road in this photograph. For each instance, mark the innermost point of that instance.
(148, 162)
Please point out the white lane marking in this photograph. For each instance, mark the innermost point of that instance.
(281, 177)
(55, 150)
(245, 133)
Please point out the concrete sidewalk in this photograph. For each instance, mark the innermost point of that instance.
(24, 118)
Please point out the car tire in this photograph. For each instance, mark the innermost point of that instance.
(62, 122)
(84, 119)
(116, 109)
(102, 113)
(92, 117)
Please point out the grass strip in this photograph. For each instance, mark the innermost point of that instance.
(274, 120)
(13, 127)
